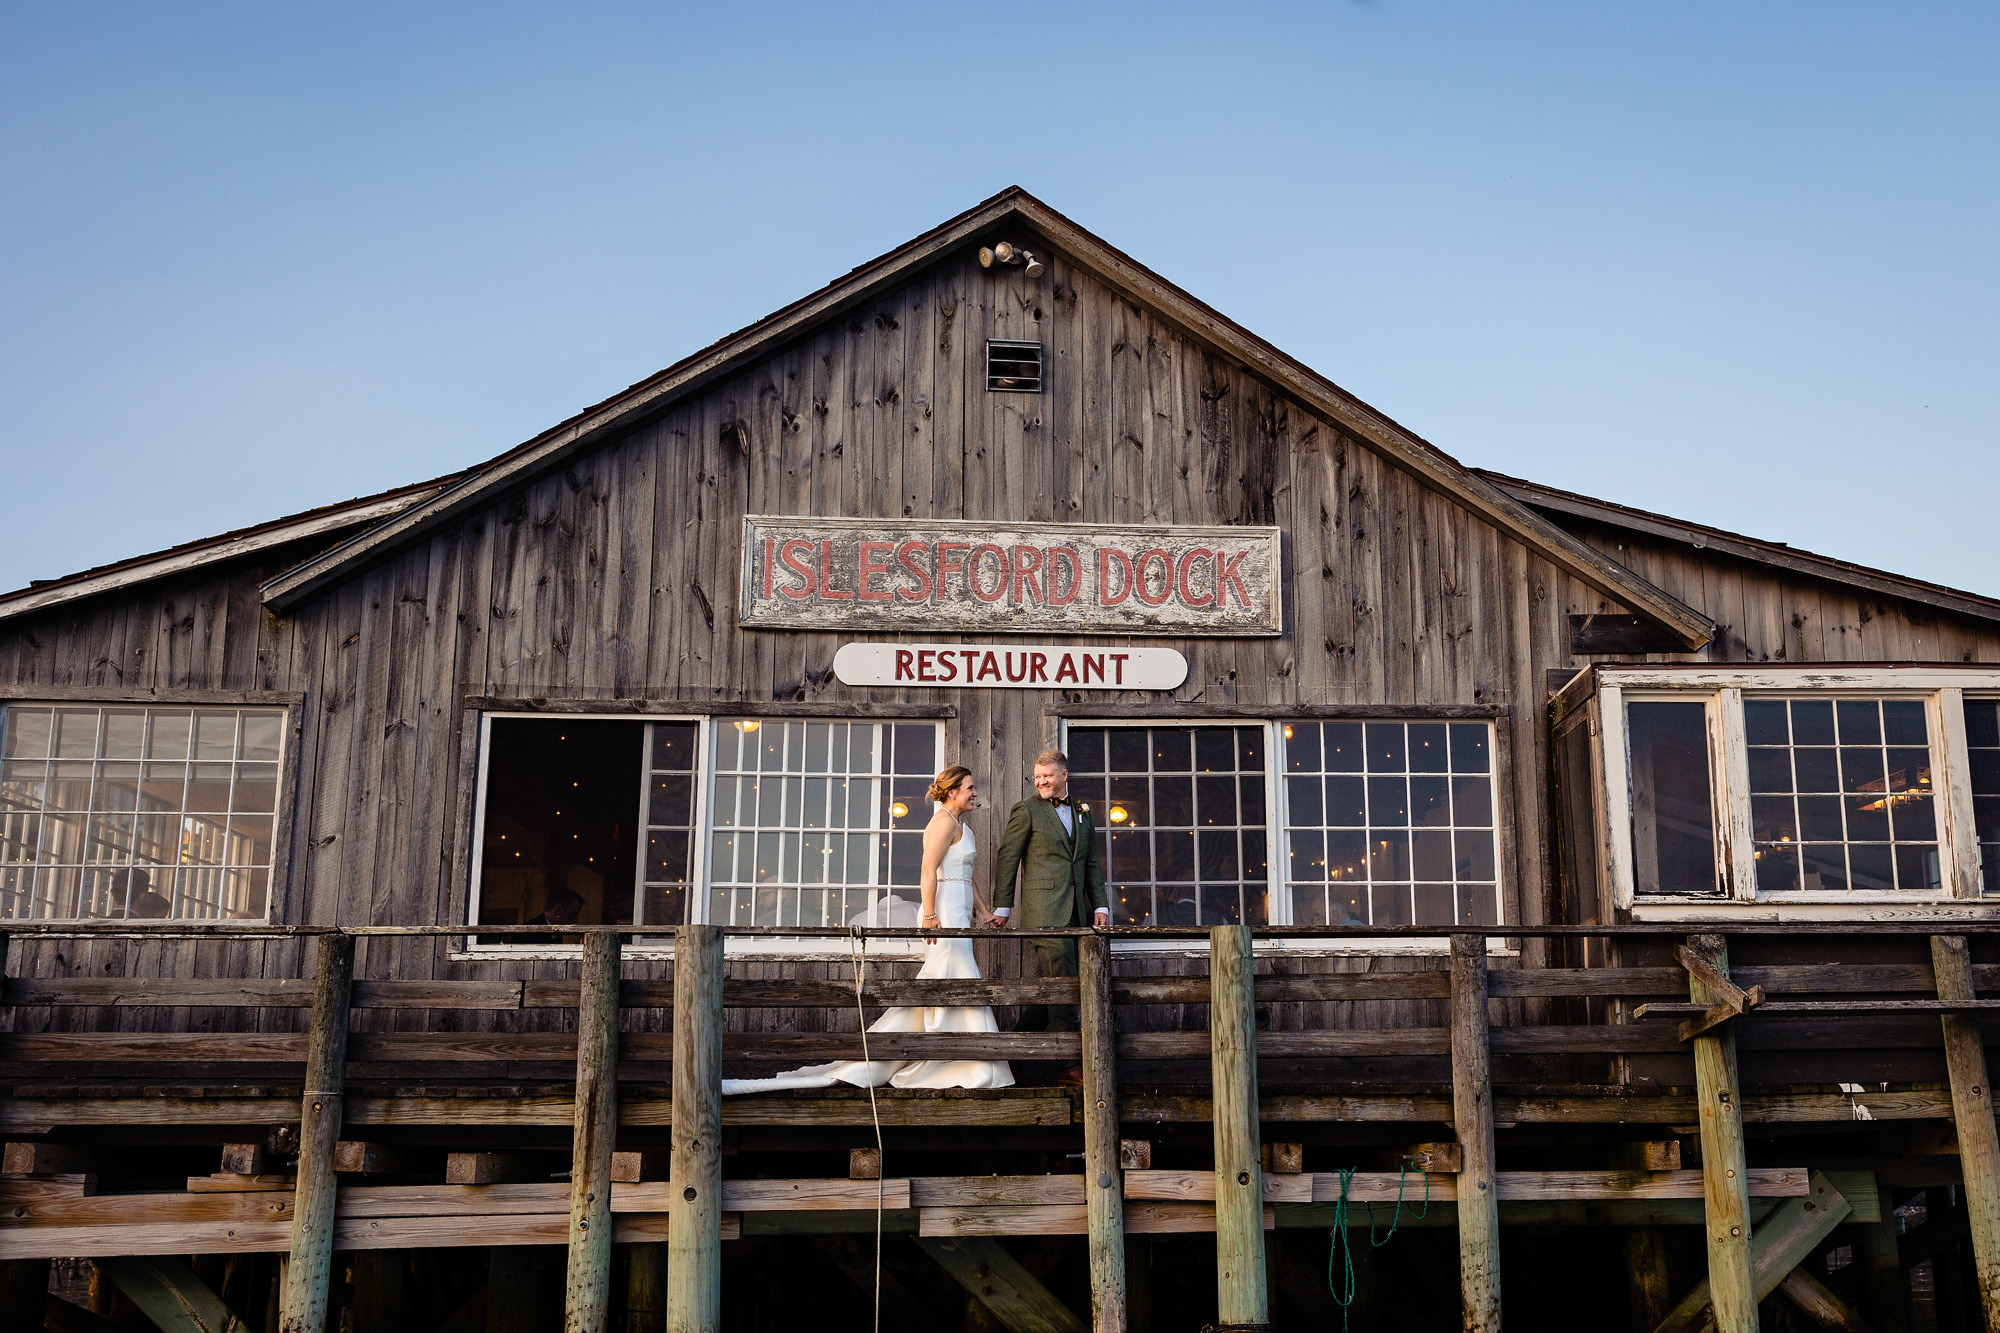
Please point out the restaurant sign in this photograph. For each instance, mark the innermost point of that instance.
(1018, 578)
(1009, 666)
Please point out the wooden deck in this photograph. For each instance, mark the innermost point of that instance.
(454, 1138)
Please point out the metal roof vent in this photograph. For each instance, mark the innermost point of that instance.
(1013, 367)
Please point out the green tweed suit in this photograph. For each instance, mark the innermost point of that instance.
(1062, 881)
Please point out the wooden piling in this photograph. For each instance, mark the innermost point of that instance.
(1972, 1110)
(1472, 1113)
(1646, 1280)
(645, 1288)
(1883, 1279)
(1241, 1297)
(694, 1208)
(1104, 1181)
(1724, 1168)
(302, 1305)
(587, 1294)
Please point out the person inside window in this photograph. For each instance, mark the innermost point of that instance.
(561, 907)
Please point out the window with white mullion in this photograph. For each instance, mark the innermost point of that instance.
(1882, 787)
(817, 823)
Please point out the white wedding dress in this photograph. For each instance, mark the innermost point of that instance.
(942, 958)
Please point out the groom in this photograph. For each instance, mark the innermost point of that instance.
(1051, 841)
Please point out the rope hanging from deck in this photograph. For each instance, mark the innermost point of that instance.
(860, 960)
(1342, 1251)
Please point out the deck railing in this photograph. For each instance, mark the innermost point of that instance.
(1697, 1004)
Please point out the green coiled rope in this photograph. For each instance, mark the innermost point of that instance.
(1342, 1250)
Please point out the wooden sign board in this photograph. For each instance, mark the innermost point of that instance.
(977, 666)
(1020, 578)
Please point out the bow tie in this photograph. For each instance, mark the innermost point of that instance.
(1062, 800)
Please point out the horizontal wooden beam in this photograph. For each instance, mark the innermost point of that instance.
(1391, 1186)
(1913, 980)
(1015, 1107)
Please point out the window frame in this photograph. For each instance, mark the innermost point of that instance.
(1722, 691)
(1278, 820)
(291, 756)
(802, 948)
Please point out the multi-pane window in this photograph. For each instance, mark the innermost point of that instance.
(1789, 783)
(1391, 823)
(1182, 810)
(1982, 740)
(137, 812)
(673, 767)
(818, 823)
(1840, 794)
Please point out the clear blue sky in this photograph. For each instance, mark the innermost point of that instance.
(1736, 262)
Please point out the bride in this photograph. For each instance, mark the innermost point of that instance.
(946, 881)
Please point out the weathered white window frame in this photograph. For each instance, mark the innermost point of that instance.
(290, 707)
(658, 946)
(1943, 690)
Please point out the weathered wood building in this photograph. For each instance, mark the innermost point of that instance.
(1503, 780)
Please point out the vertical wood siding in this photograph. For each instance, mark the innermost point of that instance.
(614, 577)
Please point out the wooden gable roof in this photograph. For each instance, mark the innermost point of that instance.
(1011, 208)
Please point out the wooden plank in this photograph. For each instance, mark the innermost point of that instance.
(1103, 1188)
(1647, 1155)
(496, 1168)
(1241, 1297)
(362, 1157)
(1724, 1168)
(1877, 1246)
(1972, 1112)
(629, 1168)
(168, 1293)
(994, 1191)
(645, 1296)
(1822, 1306)
(1017, 1107)
(694, 1257)
(587, 1287)
(228, 1184)
(1472, 1115)
(244, 1159)
(998, 1281)
(1388, 1186)
(1646, 1276)
(1199, 1186)
(46, 1159)
(1792, 1231)
(303, 1299)
(744, 1196)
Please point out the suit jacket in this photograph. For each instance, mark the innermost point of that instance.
(1062, 876)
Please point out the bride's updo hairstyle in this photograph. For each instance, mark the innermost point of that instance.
(947, 782)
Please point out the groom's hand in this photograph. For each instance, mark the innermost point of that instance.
(994, 921)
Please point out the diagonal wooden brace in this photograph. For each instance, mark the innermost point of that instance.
(1732, 1001)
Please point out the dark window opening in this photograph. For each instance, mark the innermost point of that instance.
(561, 829)
(1013, 367)
(1673, 823)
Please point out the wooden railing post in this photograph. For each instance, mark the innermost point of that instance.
(694, 1208)
(587, 1295)
(302, 1306)
(1472, 1114)
(1724, 1166)
(1239, 1182)
(1103, 1180)
(1972, 1109)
